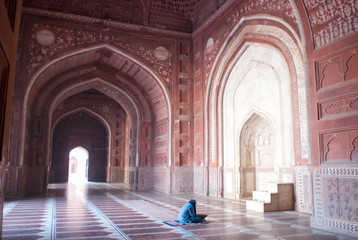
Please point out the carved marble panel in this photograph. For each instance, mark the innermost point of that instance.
(341, 199)
(161, 179)
(213, 182)
(198, 180)
(145, 179)
(336, 201)
(184, 179)
(303, 189)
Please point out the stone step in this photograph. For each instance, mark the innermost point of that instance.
(264, 196)
(261, 206)
(276, 197)
(269, 187)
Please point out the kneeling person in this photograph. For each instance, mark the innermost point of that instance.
(187, 213)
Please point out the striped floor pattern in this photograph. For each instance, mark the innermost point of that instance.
(101, 211)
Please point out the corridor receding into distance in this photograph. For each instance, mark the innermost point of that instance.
(109, 211)
(248, 106)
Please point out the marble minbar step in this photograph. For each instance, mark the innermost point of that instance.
(273, 197)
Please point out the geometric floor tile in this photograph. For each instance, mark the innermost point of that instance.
(108, 211)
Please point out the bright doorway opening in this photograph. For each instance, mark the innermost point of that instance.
(78, 167)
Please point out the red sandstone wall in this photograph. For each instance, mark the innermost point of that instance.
(332, 65)
(9, 27)
(334, 103)
(333, 81)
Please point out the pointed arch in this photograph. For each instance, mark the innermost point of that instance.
(66, 137)
(157, 86)
(89, 112)
(284, 45)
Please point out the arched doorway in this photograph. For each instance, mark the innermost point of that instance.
(257, 151)
(257, 122)
(78, 166)
(79, 129)
(258, 69)
(144, 97)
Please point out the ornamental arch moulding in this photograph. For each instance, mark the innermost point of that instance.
(121, 62)
(256, 150)
(280, 49)
(59, 146)
(118, 95)
(142, 80)
(100, 118)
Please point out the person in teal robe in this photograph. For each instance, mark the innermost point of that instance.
(187, 213)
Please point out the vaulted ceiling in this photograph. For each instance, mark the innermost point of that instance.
(178, 15)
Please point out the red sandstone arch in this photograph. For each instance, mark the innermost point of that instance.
(126, 80)
(96, 142)
(232, 48)
(111, 64)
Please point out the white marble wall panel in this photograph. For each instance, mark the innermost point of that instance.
(336, 199)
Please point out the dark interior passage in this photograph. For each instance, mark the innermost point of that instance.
(79, 129)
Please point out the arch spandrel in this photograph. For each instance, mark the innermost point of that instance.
(144, 78)
(121, 67)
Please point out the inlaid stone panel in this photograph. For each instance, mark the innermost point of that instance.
(336, 203)
(341, 198)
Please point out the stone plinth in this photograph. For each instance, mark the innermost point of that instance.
(273, 197)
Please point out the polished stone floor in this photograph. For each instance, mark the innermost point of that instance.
(108, 211)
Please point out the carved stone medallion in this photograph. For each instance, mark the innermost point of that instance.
(161, 53)
(45, 37)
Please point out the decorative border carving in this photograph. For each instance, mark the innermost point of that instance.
(304, 189)
(249, 8)
(323, 176)
(67, 38)
(213, 182)
(332, 20)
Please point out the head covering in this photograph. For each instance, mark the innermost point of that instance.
(193, 202)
